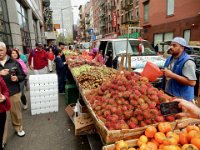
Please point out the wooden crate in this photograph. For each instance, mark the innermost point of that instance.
(111, 136)
(182, 123)
(131, 143)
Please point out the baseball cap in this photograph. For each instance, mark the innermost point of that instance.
(181, 41)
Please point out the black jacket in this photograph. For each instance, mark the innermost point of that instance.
(13, 87)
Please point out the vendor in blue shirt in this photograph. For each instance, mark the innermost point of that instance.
(179, 74)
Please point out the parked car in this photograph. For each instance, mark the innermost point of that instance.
(115, 47)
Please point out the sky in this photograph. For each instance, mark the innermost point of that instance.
(75, 9)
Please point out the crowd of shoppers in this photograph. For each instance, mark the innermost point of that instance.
(12, 74)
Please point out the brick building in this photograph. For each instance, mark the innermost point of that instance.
(173, 18)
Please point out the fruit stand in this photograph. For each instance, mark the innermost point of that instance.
(122, 104)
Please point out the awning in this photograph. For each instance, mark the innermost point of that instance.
(134, 35)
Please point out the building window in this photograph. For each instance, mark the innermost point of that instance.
(186, 35)
(146, 12)
(35, 30)
(137, 12)
(131, 15)
(5, 34)
(170, 7)
(23, 22)
(127, 17)
(163, 37)
(137, 3)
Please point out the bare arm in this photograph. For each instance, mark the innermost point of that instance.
(189, 109)
(181, 79)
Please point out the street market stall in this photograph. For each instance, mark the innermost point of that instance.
(121, 104)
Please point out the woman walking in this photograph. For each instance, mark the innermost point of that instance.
(15, 55)
(4, 106)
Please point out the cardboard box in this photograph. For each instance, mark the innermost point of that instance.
(84, 124)
(70, 111)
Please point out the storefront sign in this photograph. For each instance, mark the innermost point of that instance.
(56, 26)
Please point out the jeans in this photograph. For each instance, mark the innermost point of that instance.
(61, 83)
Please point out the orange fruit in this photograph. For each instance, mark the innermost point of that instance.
(159, 137)
(171, 147)
(174, 135)
(121, 145)
(189, 147)
(189, 128)
(150, 131)
(196, 141)
(142, 140)
(131, 148)
(170, 141)
(155, 142)
(183, 138)
(191, 134)
(152, 146)
(144, 147)
(164, 127)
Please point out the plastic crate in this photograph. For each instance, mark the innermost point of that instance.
(71, 93)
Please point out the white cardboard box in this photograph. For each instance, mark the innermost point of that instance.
(43, 93)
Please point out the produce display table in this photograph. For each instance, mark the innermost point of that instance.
(109, 136)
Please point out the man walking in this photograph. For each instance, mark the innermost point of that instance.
(38, 60)
(179, 73)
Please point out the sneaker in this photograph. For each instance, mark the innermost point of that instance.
(3, 145)
(25, 106)
(20, 133)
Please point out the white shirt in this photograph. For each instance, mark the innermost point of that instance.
(2, 62)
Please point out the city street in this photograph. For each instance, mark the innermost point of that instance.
(103, 74)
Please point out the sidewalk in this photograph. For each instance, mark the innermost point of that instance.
(52, 131)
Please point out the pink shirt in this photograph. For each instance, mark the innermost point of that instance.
(23, 65)
(100, 59)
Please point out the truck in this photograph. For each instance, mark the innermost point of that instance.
(113, 48)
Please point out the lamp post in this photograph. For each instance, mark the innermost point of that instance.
(62, 16)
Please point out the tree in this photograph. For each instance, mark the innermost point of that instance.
(65, 39)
